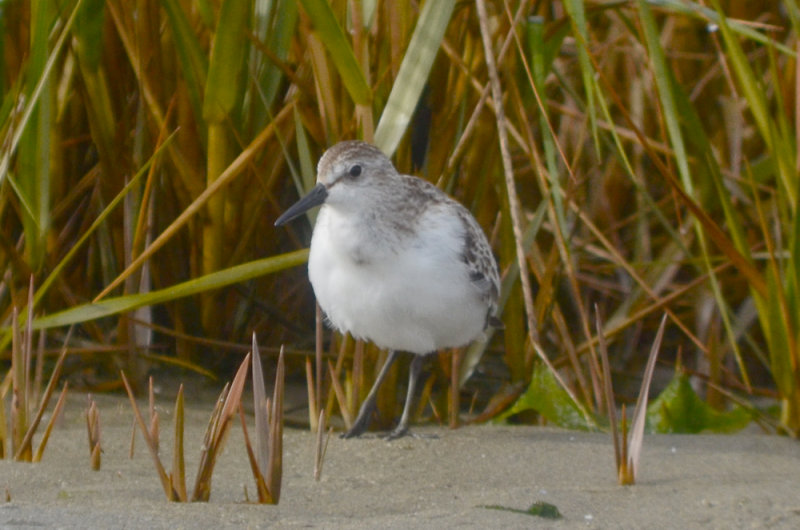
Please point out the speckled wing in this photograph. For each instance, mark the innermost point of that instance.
(419, 195)
(477, 254)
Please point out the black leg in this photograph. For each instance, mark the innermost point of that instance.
(413, 376)
(365, 413)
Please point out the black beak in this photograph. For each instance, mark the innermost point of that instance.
(315, 197)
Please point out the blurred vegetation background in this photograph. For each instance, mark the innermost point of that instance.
(148, 146)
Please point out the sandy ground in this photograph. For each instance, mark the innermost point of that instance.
(739, 481)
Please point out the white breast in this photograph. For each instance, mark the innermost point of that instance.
(412, 296)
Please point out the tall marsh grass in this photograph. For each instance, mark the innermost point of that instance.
(649, 166)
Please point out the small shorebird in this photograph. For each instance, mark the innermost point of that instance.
(396, 261)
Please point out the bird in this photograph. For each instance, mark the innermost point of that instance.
(394, 260)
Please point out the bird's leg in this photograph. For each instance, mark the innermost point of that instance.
(413, 376)
(365, 413)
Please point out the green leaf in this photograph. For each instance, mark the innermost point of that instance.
(793, 272)
(542, 49)
(224, 83)
(577, 14)
(705, 14)
(33, 178)
(663, 76)
(308, 174)
(88, 36)
(191, 59)
(413, 73)
(88, 32)
(778, 338)
(277, 31)
(333, 37)
(214, 280)
(669, 92)
(541, 509)
(755, 93)
(678, 409)
(545, 396)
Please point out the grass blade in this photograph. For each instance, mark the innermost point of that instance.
(151, 444)
(93, 430)
(608, 390)
(275, 467)
(319, 451)
(333, 37)
(177, 477)
(222, 85)
(218, 430)
(51, 386)
(413, 73)
(347, 414)
(260, 410)
(32, 101)
(192, 61)
(233, 170)
(153, 428)
(634, 446)
(261, 486)
(312, 400)
(62, 399)
(19, 405)
(215, 280)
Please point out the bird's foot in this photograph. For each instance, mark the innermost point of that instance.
(401, 432)
(398, 432)
(353, 432)
(358, 428)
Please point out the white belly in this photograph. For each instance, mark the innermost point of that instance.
(417, 298)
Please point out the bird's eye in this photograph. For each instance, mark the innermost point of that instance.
(355, 171)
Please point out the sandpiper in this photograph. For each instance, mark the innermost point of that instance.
(396, 261)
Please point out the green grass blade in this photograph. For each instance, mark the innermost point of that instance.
(30, 103)
(233, 170)
(755, 94)
(278, 29)
(88, 31)
(224, 82)
(33, 177)
(577, 15)
(333, 37)
(662, 78)
(191, 59)
(697, 10)
(222, 94)
(43, 288)
(304, 181)
(666, 92)
(778, 339)
(215, 280)
(413, 73)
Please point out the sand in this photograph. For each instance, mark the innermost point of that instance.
(714, 481)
